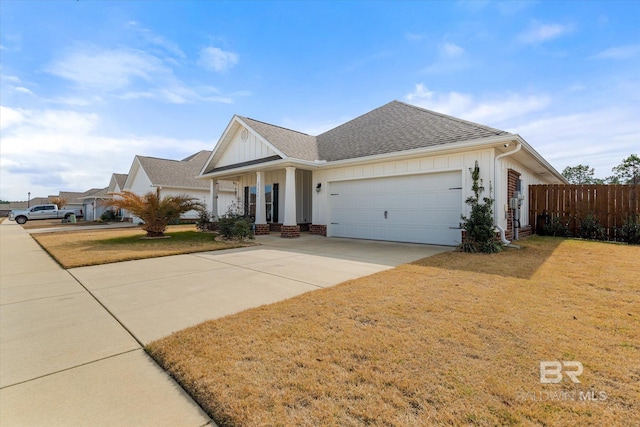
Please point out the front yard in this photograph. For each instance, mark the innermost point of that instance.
(93, 247)
(455, 339)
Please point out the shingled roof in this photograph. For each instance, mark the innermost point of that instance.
(292, 143)
(175, 173)
(120, 178)
(394, 127)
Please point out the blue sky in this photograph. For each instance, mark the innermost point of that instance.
(87, 85)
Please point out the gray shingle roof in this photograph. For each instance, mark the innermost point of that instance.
(395, 127)
(176, 173)
(121, 178)
(292, 143)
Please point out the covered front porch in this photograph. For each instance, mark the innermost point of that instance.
(276, 199)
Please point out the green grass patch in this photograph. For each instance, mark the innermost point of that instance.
(176, 236)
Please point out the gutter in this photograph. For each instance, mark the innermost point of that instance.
(503, 239)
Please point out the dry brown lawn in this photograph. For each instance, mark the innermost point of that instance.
(93, 247)
(56, 223)
(455, 339)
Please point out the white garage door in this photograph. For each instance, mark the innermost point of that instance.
(416, 208)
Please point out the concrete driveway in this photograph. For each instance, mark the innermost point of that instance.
(154, 297)
(71, 341)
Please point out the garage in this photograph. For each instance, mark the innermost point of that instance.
(422, 208)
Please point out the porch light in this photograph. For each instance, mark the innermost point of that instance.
(318, 187)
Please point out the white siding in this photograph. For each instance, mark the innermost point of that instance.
(240, 151)
(428, 164)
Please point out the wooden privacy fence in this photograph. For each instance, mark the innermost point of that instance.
(610, 204)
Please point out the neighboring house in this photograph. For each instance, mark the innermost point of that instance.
(116, 185)
(169, 178)
(74, 198)
(398, 173)
(92, 205)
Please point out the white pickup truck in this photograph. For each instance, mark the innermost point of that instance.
(50, 211)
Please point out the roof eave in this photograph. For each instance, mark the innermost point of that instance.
(276, 164)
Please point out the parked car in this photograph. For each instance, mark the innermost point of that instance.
(49, 211)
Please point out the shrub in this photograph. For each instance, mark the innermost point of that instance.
(480, 231)
(108, 215)
(630, 230)
(204, 221)
(589, 228)
(242, 230)
(556, 227)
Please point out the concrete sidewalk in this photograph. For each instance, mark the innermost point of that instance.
(70, 343)
(65, 360)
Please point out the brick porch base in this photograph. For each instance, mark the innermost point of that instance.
(262, 229)
(290, 231)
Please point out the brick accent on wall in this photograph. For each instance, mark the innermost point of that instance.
(290, 231)
(262, 229)
(318, 229)
(512, 182)
(275, 227)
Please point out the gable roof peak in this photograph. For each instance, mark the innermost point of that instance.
(272, 125)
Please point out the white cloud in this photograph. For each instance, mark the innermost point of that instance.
(158, 40)
(619, 52)
(539, 32)
(24, 90)
(450, 58)
(46, 151)
(451, 50)
(599, 137)
(10, 117)
(495, 110)
(107, 70)
(130, 74)
(216, 59)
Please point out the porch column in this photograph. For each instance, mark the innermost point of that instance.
(290, 226)
(261, 211)
(213, 196)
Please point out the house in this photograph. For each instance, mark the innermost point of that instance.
(74, 198)
(92, 205)
(172, 178)
(116, 184)
(397, 173)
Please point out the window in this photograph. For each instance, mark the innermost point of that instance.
(250, 201)
(268, 199)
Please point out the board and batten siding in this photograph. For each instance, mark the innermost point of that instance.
(240, 151)
(270, 177)
(415, 166)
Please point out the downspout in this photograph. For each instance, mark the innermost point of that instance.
(495, 177)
